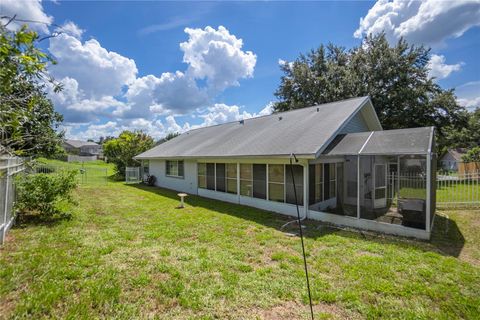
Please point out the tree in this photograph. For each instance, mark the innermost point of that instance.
(473, 155)
(27, 117)
(120, 151)
(171, 135)
(466, 137)
(395, 77)
(103, 139)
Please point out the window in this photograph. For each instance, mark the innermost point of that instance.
(316, 181)
(231, 177)
(174, 168)
(246, 177)
(289, 190)
(276, 182)
(202, 175)
(323, 182)
(260, 181)
(333, 180)
(211, 176)
(145, 166)
(220, 177)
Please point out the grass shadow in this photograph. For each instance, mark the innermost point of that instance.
(447, 239)
(27, 220)
(447, 236)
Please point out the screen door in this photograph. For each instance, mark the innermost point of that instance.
(380, 186)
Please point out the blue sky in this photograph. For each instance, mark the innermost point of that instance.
(123, 65)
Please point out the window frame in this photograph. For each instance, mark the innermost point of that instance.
(227, 178)
(269, 182)
(246, 180)
(177, 175)
(203, 176)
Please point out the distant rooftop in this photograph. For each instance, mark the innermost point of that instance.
(80, 143)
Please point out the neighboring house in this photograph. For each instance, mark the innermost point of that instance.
(348, 172)
(82, 148)
(451, 159)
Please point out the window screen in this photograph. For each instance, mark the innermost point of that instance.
(246, 184)
(276, 182)
(289, 190)
(231, 169)
(220, 177)
(202, 175)
(210, 176)
(260, 181)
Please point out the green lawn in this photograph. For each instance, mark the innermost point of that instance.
(93, 172)
(459, 192)
(129, 253)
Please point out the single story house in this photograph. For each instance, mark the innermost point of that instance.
(450, 160)
(82, 148)
(349, 171)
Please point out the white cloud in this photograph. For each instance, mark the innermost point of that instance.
(72, 29)
(93, 78)
(25, 10)
(217, 55)
(469, 95)
(282, 63)
(429, 21)
(214, 55)
(101, 84)
(98, 71)
(439, 69)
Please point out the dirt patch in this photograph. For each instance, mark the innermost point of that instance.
(368, 254)
(294, 310)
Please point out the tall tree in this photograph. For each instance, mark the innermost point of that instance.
(120, 151)
(27, 117)
(395, 77)
(466, 137)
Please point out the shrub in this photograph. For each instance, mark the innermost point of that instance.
(41, 193)
(473, 155)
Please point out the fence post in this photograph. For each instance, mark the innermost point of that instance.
(7, 180)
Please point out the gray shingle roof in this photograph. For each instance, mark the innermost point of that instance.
(399, 141)
(79, 143)
(302, 131)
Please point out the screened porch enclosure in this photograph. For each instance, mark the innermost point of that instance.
(384, 177)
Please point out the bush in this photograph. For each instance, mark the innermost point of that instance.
(40, 194)
(473, 155)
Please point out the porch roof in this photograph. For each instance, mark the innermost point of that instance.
(387, 142)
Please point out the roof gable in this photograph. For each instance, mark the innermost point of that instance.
(302, 131)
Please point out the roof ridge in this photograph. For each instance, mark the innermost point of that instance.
(277, 113)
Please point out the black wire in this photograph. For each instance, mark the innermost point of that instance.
(301, 234)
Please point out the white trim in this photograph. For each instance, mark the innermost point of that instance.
(365, 143)
(372, 225)
(358, 187)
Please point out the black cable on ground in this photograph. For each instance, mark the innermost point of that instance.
(301, 232)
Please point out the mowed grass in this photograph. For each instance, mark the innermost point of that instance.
(129, 253)
(90, 172)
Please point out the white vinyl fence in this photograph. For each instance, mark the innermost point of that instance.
(453, 191)
(458, 190)
(9, 167)
(132, 175)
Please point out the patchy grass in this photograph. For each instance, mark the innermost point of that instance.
(129, 253)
